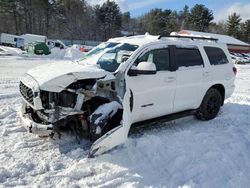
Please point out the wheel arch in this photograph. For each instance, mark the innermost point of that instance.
(221, 89)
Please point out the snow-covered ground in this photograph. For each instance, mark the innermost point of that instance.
(184, 153)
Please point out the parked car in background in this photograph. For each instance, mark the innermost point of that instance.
(246, 56)
(239, 58)
(55, 44)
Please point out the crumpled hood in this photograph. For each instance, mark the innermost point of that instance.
(56, 76)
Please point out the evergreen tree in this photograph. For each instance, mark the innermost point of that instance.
(184, 18)
(11, 11)
(109, 16)
(200, 17)
(77, 17)
(218, 28)
(233, 25)
(126, 19)
(172, 23)
(246, 31)
(155, 22)
(126, 22)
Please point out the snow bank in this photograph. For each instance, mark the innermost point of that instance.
(9, 51)
(71, 53)
(74, 52)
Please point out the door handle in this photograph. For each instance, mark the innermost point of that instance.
(170, 79)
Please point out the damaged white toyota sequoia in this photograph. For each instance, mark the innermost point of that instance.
(125, 81)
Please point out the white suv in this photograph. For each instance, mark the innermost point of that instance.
(125, 81)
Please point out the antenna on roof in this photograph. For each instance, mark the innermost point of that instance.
(190, 37)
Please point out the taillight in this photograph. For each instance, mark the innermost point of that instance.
(235, 70)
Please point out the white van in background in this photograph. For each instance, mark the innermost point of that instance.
(25, 39)
(8, 39)
(29, 38)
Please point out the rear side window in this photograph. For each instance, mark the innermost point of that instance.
(160, 57)
(187, 57)
(216, 56)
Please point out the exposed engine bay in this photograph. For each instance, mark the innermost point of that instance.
(89, 108)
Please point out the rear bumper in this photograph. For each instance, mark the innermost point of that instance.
(229, 91)
(33, 127)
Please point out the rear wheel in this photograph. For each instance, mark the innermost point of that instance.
(210, 105)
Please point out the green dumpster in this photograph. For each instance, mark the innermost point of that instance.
(41, 48)
(38, 48)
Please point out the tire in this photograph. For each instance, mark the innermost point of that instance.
(110, 123)
(210, 105)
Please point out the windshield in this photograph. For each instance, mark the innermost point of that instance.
(113, 54)
(98, 49)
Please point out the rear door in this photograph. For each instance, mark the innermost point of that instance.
(190, 74)
(221, 68)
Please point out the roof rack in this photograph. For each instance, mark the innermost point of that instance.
(190, 37)
(129, 35)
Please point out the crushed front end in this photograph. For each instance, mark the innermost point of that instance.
(89, 108)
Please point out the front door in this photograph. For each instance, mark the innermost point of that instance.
(152, 95)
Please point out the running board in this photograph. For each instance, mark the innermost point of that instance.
(162, 119)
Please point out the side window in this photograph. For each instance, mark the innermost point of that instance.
(187, 57)
(57, 44)
(160, 57)
(216, 56)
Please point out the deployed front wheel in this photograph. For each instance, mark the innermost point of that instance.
(105, 118)
(210, 105)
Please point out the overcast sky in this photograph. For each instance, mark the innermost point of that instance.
(220, 8)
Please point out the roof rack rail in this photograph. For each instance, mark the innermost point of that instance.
(190, 37)
(129, 35)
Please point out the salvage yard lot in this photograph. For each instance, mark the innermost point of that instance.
(184, 152)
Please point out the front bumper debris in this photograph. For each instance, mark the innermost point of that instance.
(33, 127)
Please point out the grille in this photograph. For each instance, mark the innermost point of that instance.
(27, 93)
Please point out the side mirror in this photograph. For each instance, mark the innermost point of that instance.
(144, 67)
